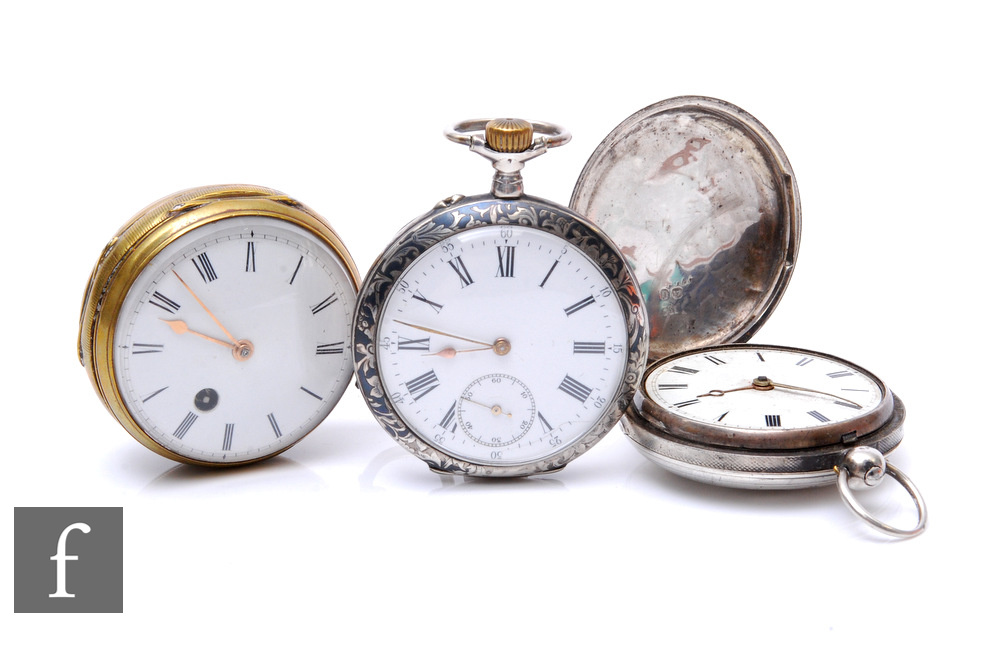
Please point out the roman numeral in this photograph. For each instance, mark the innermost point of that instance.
(309, 392)
(330, 348)
(448, 421)
(415, 344)
(682, 370)
(575, 389)
(820, 416)
(185, 426)
(579, 305)
(274, 425)
(803, 361)
(838, 374)
(720, 417)
(588, 347)
(545, 423)
(505, 261)
(435, 306)
(420, 386)
(690, 402)
(760, 356)
(164, 303)
(671, 386)
(714, 360)
(463, 274)
(204, 267)
(251, 257)
(296, 272)
(146, 348)
(325, 303)
(772, 420)
(227, 438)
(546, 279)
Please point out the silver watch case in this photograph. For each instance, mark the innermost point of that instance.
(445, 220)
(702, 201)
(783, 460)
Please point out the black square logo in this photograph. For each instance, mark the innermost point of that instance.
(68, 559)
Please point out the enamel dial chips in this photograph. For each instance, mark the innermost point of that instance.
(219, 334)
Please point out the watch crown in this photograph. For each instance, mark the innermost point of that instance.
(509, 135)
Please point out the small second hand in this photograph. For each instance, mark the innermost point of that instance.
(496, 410)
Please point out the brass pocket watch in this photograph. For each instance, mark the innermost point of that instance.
(499, 334)
(216, 323)
(703, 202)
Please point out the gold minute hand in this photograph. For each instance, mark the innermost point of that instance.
(205, 307)
(433, 331)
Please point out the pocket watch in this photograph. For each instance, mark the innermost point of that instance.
(705, 207)
(770, 417)
(215, 324)
(500, 334)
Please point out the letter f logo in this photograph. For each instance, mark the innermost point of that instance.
(60, 557)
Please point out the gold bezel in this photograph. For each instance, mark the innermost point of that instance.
(143, 237)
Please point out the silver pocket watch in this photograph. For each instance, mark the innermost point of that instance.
(500, 334)
(704, 205)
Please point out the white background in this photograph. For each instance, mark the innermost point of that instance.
(887, 112)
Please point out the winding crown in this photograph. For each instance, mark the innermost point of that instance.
(509, 135)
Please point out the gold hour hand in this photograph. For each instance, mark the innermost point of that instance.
(720, 393)
(449, 353)
(180, 327)
(242, 350)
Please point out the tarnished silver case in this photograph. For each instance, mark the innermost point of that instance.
(703, 203)
(725, 456)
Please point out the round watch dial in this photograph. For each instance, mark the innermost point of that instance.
(499, 337)
(502, 344)
(763, 397)
(231, 344)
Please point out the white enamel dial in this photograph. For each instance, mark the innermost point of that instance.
(762, 388)
(232, 343)
(502, 345)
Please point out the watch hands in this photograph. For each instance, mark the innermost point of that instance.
(448, 353)
(495, 409)
(501, 346)
(720, 393)
(242, 350)
(180, 327)
(818, 392)
(764, 384)
(205, 307)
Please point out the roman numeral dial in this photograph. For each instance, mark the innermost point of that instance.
(501, 344)
(234, 343)
(761, 388)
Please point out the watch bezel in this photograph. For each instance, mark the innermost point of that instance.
(756, 460)
(141, 239)
(466, 214)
